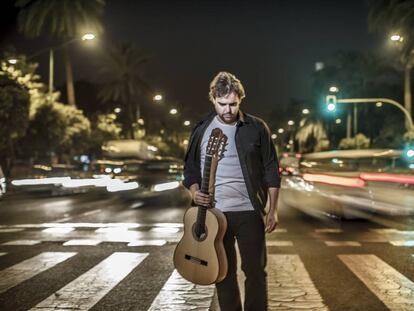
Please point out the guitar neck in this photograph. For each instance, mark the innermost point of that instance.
(205, 182)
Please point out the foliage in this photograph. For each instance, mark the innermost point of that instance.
(311, 136)
(360, 141)
(122, 73)
(409, 137)
(63, 18)
(105, 128)
(393, 16)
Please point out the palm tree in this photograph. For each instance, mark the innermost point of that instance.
(396, 16)
(122, 71)
(311, 136)
(64, 19)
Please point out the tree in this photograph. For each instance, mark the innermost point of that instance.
(311, 136)
(64, 19)
(396, 16)
(122, 72)
(14, 117)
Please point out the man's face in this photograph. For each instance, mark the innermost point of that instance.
(227, 107)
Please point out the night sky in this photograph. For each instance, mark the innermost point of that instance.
(271, 46)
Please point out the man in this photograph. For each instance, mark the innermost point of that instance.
(246, 175)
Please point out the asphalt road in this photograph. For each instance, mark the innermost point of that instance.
(93, 251)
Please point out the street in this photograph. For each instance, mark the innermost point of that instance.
(96, 252)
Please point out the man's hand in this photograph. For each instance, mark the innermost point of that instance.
(202, 199)
(271, 222)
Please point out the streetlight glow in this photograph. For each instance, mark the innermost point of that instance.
(396, 37)
(12, 61)
(88, 37)
(338, 121)
(117, 110)
(173, 111)
(378, 104)
(291, 122)
(274, 136)
(280, 131)
(305, 111)
(333, 89)
(187, 123)
(158, 97)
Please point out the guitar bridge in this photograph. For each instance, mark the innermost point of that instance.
(196, 260)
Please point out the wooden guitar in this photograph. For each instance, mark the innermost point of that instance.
(200, 256)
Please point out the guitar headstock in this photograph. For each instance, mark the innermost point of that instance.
(216, 143)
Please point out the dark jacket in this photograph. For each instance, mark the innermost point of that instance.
(257, 155)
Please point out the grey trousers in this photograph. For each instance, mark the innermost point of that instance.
(247, 228)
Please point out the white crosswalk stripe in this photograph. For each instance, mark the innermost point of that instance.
(179, 294)
(28, 268)
(290, 286)
(391, 287)
(85, 291)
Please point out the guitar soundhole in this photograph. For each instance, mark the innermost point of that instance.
(199, 236)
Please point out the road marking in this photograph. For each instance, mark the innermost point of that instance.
(2, 254)
(177, 293)
(390, 286)
(22, 242)
(279, 243)
(10, 230)
(92, 225)
(81, 242)
(290, 286)
(403, 243)
(148, 243)
(28, 268)
(328, 230)
(342, 243)
(58, 230)
(392, 230)
(165, 230)
(85, 291)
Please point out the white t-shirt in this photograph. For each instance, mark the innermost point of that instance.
(230, 188)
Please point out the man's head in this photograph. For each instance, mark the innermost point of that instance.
(226, 93)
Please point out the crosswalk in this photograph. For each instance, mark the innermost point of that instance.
(291, 283)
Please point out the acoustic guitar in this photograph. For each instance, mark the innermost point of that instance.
(200, 256)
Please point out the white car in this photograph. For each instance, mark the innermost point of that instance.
(352, 184)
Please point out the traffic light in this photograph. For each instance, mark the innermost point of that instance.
(409, 153)
(331, 102)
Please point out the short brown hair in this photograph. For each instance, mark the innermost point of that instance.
(224, 84)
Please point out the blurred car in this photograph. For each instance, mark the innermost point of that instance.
(2, 183)
(49, 179)
(158, 180)
(352, 184)
(289, 163)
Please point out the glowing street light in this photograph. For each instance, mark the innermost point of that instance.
(12, 61)
(280, 131)
(274, 136)
(117, 110)
(187, 123)
(305, 111)
(291, 122)
(173, 111)
(396, 37)
(378, 104)
(338, 121)
(158, 97)
(88, 37)
(333, 89)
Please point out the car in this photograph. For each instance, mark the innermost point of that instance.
(352, 184)
(158, 180)
(289, 163)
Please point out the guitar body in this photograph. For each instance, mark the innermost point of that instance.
(202, 260)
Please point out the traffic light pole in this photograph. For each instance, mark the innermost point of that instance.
(376, 100)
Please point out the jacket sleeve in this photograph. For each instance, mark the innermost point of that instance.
(270, 160)
(192, 170)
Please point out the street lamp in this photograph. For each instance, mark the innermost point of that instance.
(305, 111)
(158, 97)
(333, 89)
(396, 37)
(338, 121)
(12, 61)
(117, 110)
(88, 37)
(378, 104)
(173, 111)
(291, 122)
(274, 136)
(187, 123)
(280, 131)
